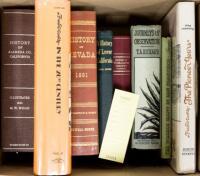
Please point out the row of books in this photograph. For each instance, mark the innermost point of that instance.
(43, 84)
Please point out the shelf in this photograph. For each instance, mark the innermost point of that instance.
(125, 171)
(136, 164)
(136, 171)
(16, 170)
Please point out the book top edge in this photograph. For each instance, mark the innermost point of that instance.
(17, 10)
(83, 11)
(145, 27)
(189, 2)
(104, 32)
(121, 37)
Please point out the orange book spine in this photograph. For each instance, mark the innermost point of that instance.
(52, 136)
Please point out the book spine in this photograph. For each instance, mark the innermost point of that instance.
(1, 157)
(1, 150)
(198, 83)
(17, 80)
(122, 62)
(146, 53)
(52, 136)
(166, 98)
(183, 90)
(105, 84)
(84, 84)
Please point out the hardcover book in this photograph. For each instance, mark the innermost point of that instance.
(122, 62)
(166, 98)
(146, 53)
(84, 84)
(105, 84)
(181, 27)
(17, 80)
(52, 130)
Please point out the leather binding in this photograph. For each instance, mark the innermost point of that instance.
(84, 84)
(17, 74)
(122, 62)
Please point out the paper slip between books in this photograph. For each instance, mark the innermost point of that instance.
(119, 126)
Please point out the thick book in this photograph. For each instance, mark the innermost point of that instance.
(17, 80)
(85, 139)
(52, 130)
(146, 53)
(105, 84)
(122, 62)
(166, 103)
(181, 27)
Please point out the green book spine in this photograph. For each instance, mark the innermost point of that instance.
(166, 98)
(146, 53)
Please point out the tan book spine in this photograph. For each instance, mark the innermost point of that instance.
(52, 136)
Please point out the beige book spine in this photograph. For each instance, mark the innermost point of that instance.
(52, 136)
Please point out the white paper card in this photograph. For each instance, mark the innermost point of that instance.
(119, 126)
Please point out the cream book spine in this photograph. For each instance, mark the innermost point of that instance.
(181, 24)
(52, 136)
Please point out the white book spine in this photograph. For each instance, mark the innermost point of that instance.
(183, 91)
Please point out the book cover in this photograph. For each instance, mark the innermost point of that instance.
(17, 80)
(146, 53)
(166, 97)
(105, 84)
(85, 139)
(122, 62)
(181, 27)
(52, 130)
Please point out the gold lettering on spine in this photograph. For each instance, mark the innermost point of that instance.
(83, 40)
(80, 39)
(86, 55)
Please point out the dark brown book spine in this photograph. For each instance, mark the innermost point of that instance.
(17, 80)
(84, 84)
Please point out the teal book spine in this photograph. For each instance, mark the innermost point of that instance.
(105, 83)
(166, 99)
(146, 53)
